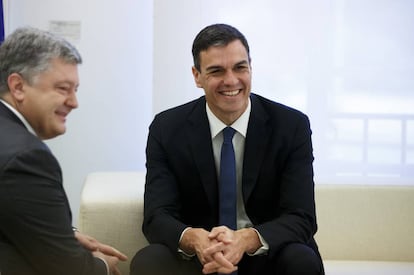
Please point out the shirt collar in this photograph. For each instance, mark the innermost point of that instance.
(20, 116)
(240, 125)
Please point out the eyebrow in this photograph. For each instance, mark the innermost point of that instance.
(67, 82)
(216, 67)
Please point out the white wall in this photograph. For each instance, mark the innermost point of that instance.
(109, 130)
(175, 25)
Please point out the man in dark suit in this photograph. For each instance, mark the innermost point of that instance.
(275, 190)
(38, 84)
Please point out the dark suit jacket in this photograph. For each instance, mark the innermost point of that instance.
(36, 235)
(277, 185)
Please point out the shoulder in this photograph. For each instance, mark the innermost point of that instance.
(18, 145)
(180, 115)
(274, 110)
(182, 110)
(15, 136)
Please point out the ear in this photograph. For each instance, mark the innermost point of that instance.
(196, 75)
(16, 83)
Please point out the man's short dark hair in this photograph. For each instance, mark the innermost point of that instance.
(216, 35)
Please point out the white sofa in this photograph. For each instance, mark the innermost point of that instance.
(362, 229)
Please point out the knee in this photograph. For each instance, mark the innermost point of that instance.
(153, 259)
(297, 259)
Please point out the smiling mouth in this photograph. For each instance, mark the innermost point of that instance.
(230, 93)
(62, 115)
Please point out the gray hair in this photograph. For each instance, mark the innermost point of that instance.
(29, 51)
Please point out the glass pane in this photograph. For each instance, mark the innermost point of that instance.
(384, 155)
(410, 132)
(348, 153)
(384, 131)
(348, 130)
(410, 156)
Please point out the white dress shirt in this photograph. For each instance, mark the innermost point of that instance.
(216, 129)
(240, 125)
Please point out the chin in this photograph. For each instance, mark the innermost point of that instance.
(57, 132)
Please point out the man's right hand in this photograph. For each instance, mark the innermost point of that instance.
(197, 241)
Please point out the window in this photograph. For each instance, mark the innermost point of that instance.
(347, 64)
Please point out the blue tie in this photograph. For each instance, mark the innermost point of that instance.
(228, 185)
(227, 190)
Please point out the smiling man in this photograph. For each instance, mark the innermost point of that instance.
(38, 84)
(243, 206)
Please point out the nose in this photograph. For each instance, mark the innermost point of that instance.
(230, 78)
(72, 100)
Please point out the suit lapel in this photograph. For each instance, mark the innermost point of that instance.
(258, 134)
(257, 137)
(201, 145)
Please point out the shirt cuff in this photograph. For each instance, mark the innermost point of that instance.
(180, 251)
(106, 265)
(263, 249)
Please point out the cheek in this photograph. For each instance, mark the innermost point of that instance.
(247, 79)
(212, 84)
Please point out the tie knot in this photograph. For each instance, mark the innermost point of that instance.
(228, 134)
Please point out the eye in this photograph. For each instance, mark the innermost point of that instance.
(242, 67)
(63, 89)
(215, 72)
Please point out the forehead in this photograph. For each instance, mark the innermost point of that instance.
(59, 70)
(229, 54)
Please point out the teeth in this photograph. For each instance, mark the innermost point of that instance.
(231, 93)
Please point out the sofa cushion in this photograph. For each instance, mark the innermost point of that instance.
(368, 268)
(365, 222)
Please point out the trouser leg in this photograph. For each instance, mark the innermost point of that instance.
(157, 259)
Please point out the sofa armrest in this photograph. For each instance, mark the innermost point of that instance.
(111, 210)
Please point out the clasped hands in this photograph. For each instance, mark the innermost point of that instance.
(111, 255)
(221, 249)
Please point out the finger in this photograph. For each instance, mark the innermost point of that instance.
(221, 234)
(218, 261)
(86, 241)
(226, 270)
(224, 238)
(217, 246)
(116, 271)
(213, 267)
(216, 231)
(210, 267)
(89, 245)
(110, 251)
(222, 261)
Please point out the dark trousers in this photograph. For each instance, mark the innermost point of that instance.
(293, 259)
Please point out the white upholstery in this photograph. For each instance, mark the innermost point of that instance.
(111, 211)
(362, 222)
(363, 230)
